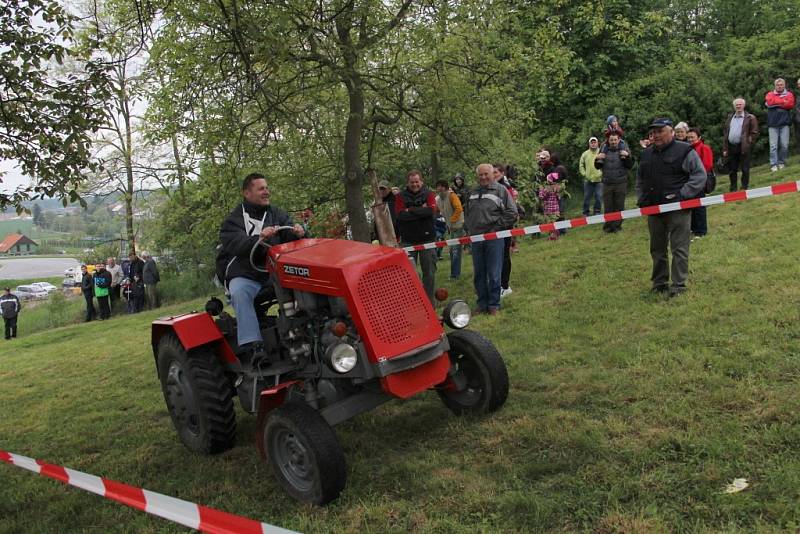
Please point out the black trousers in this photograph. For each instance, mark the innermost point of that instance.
(105, 310)
(738, 160)
(11, 327)
(90, 311)
(614, 200)
(505, 275)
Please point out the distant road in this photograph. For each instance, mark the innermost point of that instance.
(26, 268)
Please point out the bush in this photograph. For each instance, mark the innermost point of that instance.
(57, 309)
(187, 284)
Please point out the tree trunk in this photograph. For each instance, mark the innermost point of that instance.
(353, 174)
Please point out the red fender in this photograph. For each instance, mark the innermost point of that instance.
(269, 400)
(193, 330)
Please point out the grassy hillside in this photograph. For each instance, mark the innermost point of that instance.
(628, 412)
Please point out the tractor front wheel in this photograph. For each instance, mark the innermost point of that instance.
(478, 380)
(198, 396)
(304, 453)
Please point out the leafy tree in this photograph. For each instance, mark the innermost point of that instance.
(45, 118)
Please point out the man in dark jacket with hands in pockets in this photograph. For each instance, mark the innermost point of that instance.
(670, 171)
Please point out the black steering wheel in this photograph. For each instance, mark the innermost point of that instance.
(262, 243)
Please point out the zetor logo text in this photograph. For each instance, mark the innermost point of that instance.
(297, 271)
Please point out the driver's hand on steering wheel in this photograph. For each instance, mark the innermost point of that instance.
(268, 232)
(298, 230)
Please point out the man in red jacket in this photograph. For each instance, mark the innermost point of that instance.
(699, 226)
(779, 103)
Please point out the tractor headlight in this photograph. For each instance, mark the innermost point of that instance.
(343, 358)
(456, 314)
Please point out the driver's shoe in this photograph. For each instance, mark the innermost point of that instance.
(257, 354)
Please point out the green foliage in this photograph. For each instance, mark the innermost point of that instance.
(47, 118)
(57, 309)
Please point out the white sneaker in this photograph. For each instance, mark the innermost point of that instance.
(774, 168)
(505, 292)
(781, 166)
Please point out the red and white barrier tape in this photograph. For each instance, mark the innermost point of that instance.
(779, 189)
(183, 512)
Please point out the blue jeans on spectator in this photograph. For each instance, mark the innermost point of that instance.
(589, 189)
(487, 264)
(778, 145)
(455, 254)
(243, 293)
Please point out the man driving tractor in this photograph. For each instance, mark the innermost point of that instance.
(253, 220)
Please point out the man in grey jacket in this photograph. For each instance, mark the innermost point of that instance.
(151, 278)
(614, 162)
(490, 209)
(670, 171)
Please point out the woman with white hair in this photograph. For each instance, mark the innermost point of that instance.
(681, 130)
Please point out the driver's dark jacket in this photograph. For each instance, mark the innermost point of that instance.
(233, 258)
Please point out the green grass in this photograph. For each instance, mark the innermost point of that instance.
(627, 412)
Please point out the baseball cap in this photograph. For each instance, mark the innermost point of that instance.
(384, 184)
(660, 123)
(592, 139)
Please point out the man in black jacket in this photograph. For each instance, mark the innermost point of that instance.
(253, 220)
(614, 162)
(9, 309)
(87, 288)
(670, 171)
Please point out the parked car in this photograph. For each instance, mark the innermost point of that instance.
(45, 286)
(30, 292)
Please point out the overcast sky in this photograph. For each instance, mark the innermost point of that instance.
(12, 178)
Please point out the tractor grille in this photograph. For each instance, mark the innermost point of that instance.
(393, 303)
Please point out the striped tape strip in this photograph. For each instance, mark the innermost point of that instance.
(183, 512)
(779, 189)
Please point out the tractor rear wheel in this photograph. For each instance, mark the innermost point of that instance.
(304, 453)
(478, 379)
(198, 396)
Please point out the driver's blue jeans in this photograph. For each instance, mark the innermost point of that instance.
(243, 292)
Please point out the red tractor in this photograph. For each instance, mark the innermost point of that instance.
(354, 329)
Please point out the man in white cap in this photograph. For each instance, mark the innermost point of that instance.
(592, 177)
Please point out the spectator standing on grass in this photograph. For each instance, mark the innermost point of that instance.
(550, 162)
(592, 177)
(490, 209)
(10, 307)
(87, 288)
(137, 295)
(136, 266)
(780, 103)
(797, 117)
(699, 225)
(505, 276)
(670, 171)
(150, 277)
(449, 206)
(116, 280)
(738, 139)
(549, 195)
(102, 287)
(614, 163)
(416, 209)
